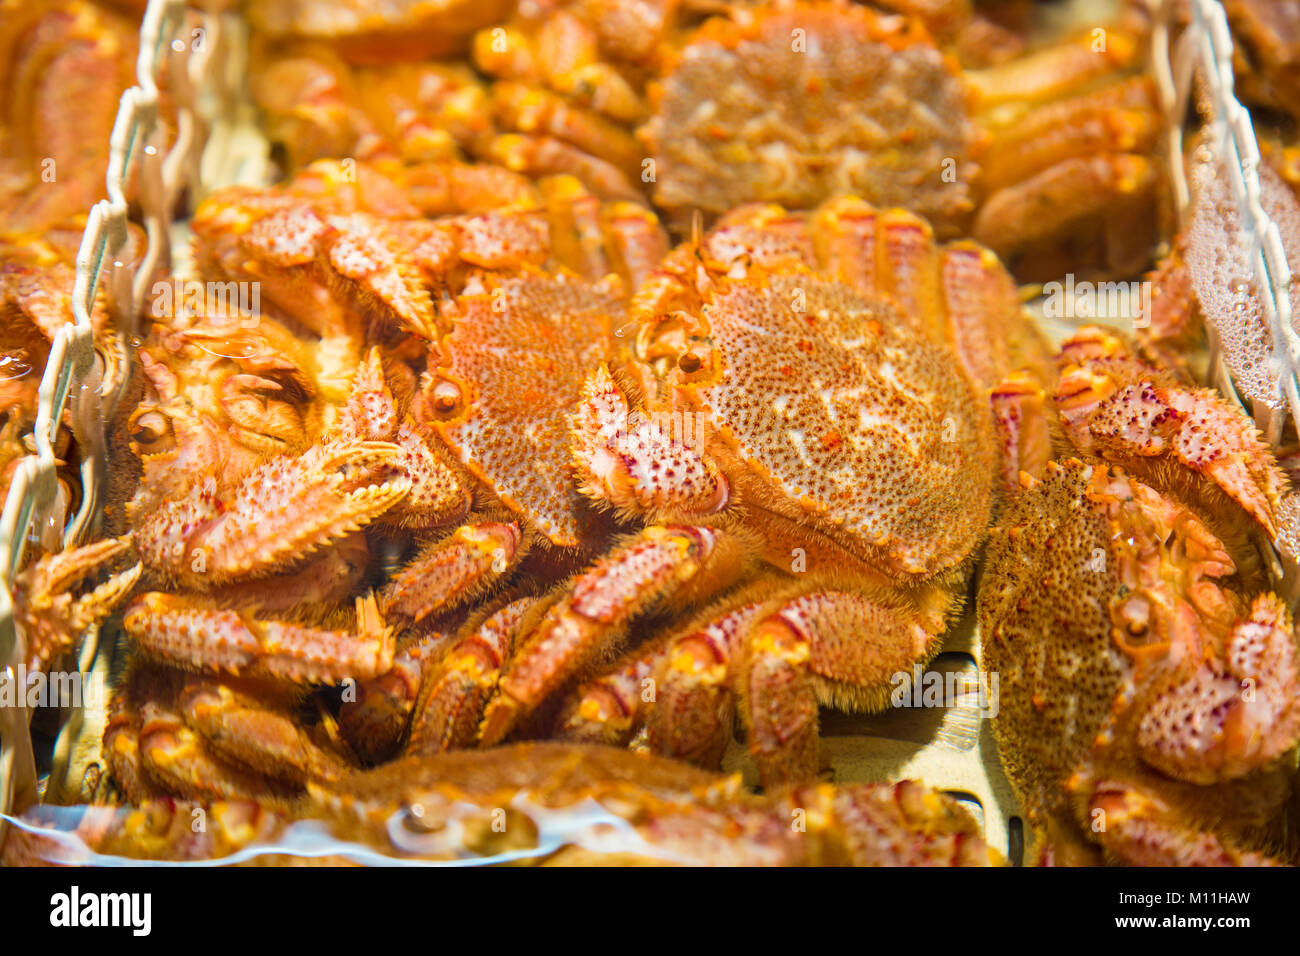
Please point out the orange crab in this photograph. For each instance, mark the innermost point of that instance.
(65, 64)
(546, 803)
(801, 399)
(1149, 677)
(245, 592)
(1044, 153)
(235, 440)
(408, 29)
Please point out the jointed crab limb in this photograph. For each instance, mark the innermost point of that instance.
(583, 624)
(1115, 406)
(151, 750)
(610, 709)
(1075, 190)
(454, 569)
(51, 618)
(778, 702)
(1020, 417)
(1123, 118)
(456, 690)
(192, 634)
(1235, 714)
(834, 646)
(174, 759)
(245, 730)
(374, 722)
(691, 718)
(1142, 830)
(310, 263)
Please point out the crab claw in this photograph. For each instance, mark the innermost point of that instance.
(281, 511)
(638, 467)
(50, 617)
(1131, 414)
(1236, 717)
(375, 261)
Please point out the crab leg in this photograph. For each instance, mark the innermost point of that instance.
(50, 617)
(597, 605)
(1049, 204)
(828, 644)
(1020, 415)
(1053, 72)
(191, 634)
(1142, 830)
(456, 691)
(373, 723)
(595, 238)
(122, 751)
(454, 569)
(963, 291)
(243, 729)
(538, 156)
(690, 712)
(173, 756)
(608, 709)
(546, 114)
(1124, 118)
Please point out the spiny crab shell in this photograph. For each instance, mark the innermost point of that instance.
(820, 359)
(504, 377)
(745, 112)
(1149, 677)
(800, 437)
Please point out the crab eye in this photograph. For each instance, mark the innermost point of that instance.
(445, 397)
(152, 430)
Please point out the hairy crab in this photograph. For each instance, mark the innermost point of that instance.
(252, 556)
(1001, 153)
(543, 803)
(251, 465)
(1149, 676)
(710, 438)
(1044, 157)
(64, 66)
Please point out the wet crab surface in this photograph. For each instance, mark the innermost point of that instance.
(494, 459)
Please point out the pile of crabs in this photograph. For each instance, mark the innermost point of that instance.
(645, 379)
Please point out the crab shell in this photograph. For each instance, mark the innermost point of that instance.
(1149, 677)
(837, 406)
(505, 381)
